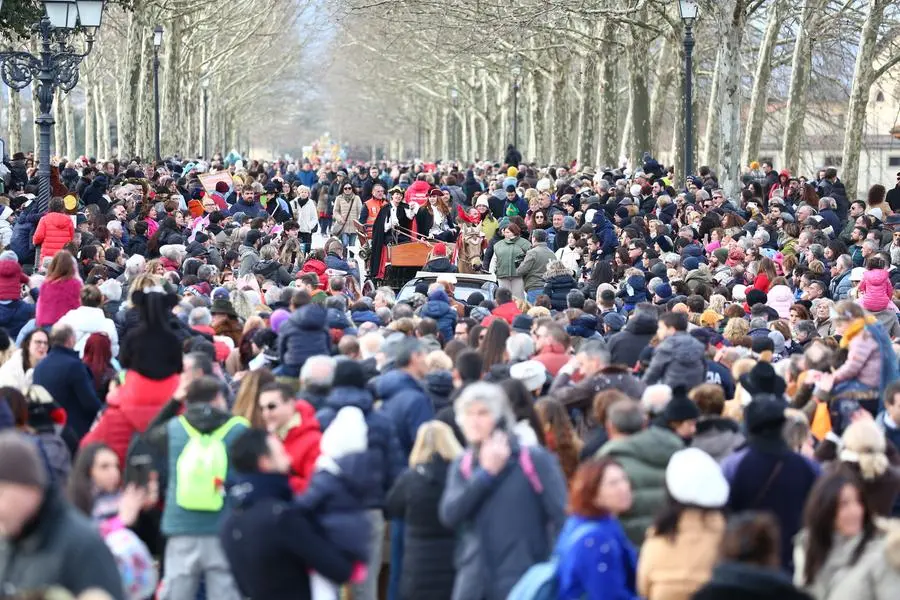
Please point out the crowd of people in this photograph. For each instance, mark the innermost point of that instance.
(668, 394)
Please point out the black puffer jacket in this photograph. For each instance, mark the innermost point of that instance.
(429, 547)
(274, 271)
(558, 289)
(626, 346)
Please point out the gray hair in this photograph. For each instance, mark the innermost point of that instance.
(844, 262)
(113, 226)
(595, 349)
(134, 266)
(827, 203)
(273, 295)
(370, 344)
(318, 370)
(759, 323)
(199, 316)
(384, 313)
(626, 416)
(871, 245)
(491, 396)
(519, 347)
(387, 296)
(655, 398)
(111, 290)
(762, 234)
(207, 272)
(807, 328)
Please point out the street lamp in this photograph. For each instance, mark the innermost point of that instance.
(157, 42)
(517, 73)
(54, 67)
(204, 83)
(689, 10)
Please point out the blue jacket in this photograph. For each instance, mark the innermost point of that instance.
(604, 231)
(384, 460)
(304, 334)
(438, 308)
(70, 383)
(307, 178)
(23, 233)
(251, 210)
(14, 315)
(333, 261)
(596, 560)
(406, 404)
(272, 545)
(365, 316)
(335, 500)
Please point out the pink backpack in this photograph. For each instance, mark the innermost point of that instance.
(525, 463)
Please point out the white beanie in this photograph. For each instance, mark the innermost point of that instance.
(347, 434)
(694, 478)
(636, 190)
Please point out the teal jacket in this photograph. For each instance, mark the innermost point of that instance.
(509, 254)
(176, 520)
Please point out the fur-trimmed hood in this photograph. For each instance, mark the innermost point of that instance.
(556, 268)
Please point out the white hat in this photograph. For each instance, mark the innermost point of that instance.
(531, 373)
(347, 434)
(857, 273)
(482, 201)
(694, 478)
(739, 292)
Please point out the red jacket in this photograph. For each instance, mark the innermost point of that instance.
(129, 411)
(222, 349)
(507, 312)
(318, 267)
(11, 280)
(54, 231)
(553, 356)
(55, 299)
(302, 445)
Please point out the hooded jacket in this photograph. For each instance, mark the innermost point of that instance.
(14, 315)
(875, 290)
(6, 231)
(384, 459)
(509, 254)
(604, 231)
(406, 404)
(644, 457)
(303, 335)
(718, 437)
(272, 545)
(626, 346)
(273, 270)
(249, 256)
(86, 320)
(53, 232)
(438, 308)
(677, 360)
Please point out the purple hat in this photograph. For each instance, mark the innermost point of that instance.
(278, 317)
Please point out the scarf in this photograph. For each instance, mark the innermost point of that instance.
(854, 328)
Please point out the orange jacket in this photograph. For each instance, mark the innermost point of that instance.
(54, 231)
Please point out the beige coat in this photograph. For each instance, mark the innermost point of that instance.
(832, 579)
(674, 569)
(346, 211)
(877, 574)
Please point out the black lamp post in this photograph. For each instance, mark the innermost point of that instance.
(157, 42)
(204, 83)
(517, 73)
(689, 10)
(54, 67)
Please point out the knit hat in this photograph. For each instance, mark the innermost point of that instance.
(512, 172)
(664, 291)
(347, 434)
(739, 292)
(9, 255)
(253, 236)
(680, 407)
(44, 413)
(755, 296)
(239, 217)
(694, 478)
(482, 201)
(531, 373)
(863, 444)
(278, 318)
(764, 414)
(21, 462)
(614, 321)
(721, 255)
(691, 263)
(220, 293)
(349, 373)
(223, 306)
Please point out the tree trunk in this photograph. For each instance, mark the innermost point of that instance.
(624, 145)
(15, 122)
(59, 128)
(559, 133)
(171, 106)
(863, 78)
(445, 134)
(101, 113)
(710, 143)
(146, 126)
(729, 171)
(90, 124)
(659, 100)
(759, 95)
(677, 139)
(609, 110)
(795, 113)
(69, 110)
(639, 99)
(129, 86)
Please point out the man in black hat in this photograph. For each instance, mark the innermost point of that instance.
(45, 542)
(393, 225)
(893, 196)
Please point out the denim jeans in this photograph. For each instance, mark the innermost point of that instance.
(191, 559)
(531, 295)
(368, 589)
(398, 529)
(348, 239)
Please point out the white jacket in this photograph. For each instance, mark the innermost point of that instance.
(5, 228)
(86, 320)
(306, 216)
(569, 257)
(12, 373)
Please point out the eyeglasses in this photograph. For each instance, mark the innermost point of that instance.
(268, 407)
(347, 188)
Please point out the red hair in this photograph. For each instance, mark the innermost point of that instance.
(97, 354)
(587, 480)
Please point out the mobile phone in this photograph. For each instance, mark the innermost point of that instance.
(138, 471)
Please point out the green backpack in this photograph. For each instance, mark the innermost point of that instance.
(202, 467)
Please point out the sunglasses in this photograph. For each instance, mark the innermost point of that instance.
(347, 188)
(268, 407)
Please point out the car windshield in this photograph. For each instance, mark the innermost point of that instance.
(463, 289)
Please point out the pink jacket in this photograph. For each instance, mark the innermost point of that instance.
(875, 290)
(863, 361)
(55, 299)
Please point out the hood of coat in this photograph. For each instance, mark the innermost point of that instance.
(314, 265)
(246, 251)
(439, 385)
(342, 396)
(248, 489)
(877, 277)
(393, 382)
(311, 317)
(653, 446)
(205, 418)
(365, 316)
(556, 269)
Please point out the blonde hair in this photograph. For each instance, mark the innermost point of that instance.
(864, 444)
(434, 437)
(796, 428)
(246, 403)
(437, 360)
(735, 329)
(142, 282)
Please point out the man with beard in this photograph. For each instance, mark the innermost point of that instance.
(393, 225)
